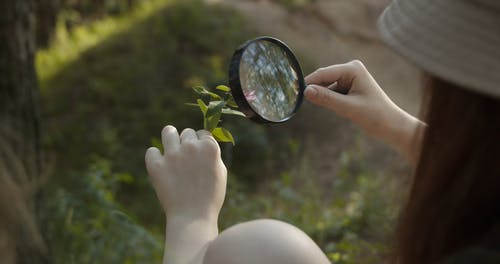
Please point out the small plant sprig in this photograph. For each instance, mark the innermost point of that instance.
(220, 102)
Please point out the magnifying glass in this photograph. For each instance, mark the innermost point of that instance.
(266, 80)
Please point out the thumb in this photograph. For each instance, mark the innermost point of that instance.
(327, 98)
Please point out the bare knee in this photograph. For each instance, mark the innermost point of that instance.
(263, 241)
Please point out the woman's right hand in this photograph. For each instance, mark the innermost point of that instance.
(351, 92)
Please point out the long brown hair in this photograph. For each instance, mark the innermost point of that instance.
(455, 197)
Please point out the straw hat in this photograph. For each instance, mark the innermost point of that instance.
(456, 40)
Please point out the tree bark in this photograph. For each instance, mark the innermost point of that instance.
(19, 99)
(46, 19)
(19, 112)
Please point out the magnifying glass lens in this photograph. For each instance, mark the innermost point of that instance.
(269, 80)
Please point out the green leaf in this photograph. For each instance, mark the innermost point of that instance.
(222, 135)
(202, 91)
(223, 88)
(230, 102)
(212, 117)
(199, 89)
(203, 106)
(211, 122)
(215, 107)
(214, 96)
(191, 104)
(228, 111)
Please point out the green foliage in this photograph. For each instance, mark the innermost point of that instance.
(108, 88)
(350, 222)
(90, 226)
(218, 105)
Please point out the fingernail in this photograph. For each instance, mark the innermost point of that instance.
(169, 127)
(310, 91)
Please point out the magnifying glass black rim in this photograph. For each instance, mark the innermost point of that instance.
(235, 84)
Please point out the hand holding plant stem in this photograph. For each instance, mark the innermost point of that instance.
(220, 103)
(189, 178)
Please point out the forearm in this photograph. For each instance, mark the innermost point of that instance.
(404, 133)
(187, 240)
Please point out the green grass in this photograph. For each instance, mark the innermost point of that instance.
(351, 219)
(89, 226)
(67, 47)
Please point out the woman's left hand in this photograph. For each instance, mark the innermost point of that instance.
(190, 177)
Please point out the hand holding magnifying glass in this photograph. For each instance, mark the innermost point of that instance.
(267, 81)
(268, 85)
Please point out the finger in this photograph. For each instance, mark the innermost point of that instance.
(188, 134)
(170, 138)
(205, 135)
(324, 97)
(333, 73)
(153, 159)
(337, 88)
(325, 75)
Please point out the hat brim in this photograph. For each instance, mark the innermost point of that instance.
(454, 40)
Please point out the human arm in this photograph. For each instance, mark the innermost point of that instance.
(351, 92)
(190, 182)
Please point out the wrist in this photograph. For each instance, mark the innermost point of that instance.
(404, 134)
(181, 225)
(188, 238)
(195, 215)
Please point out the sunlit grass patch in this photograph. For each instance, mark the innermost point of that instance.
(67, 46)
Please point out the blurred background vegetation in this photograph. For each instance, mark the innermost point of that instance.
(112, 73)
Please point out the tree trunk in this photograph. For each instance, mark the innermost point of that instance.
(46, 18)
(19, 114)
